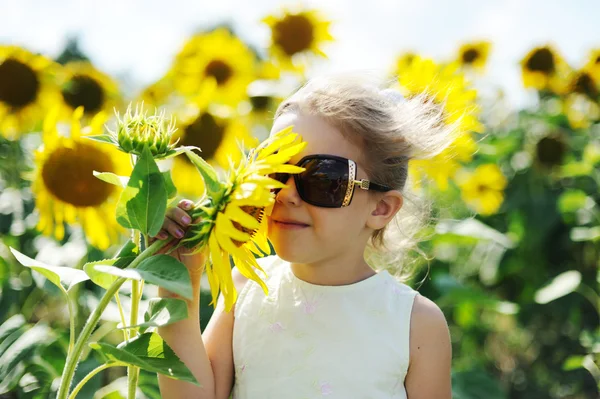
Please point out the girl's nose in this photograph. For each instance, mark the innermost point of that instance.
(288, 195)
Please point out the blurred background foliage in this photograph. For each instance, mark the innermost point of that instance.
(515, 250)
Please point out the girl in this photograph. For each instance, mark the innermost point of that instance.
(335, 322)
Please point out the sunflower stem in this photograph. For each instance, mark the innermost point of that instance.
(133, 371)
(122, 316)
(73, 356)
(90, 375)
(71, 304)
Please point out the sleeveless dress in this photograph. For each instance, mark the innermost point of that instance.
(306, 341)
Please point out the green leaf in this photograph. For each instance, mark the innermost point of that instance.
(149, 352)
(143, 202)
(164, 311)
(102, 138)
(162, 270)
(179, 150)
(128, 249)
(38, 335)
(167, 272)
(170, 186)
(573, 362)
(573, 200)
(208, 173)
(561, 285)
(111, 178)
(9, 326)
(101, 278)
(64, 278)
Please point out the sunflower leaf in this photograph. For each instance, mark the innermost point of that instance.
(64, 278)
(163, 311)
(101, 278)
(213, 186)
(149, 352)
(179, 150)
(170, 186)
(111, 178)
(143, 202)
(162, 270)
(103, 138)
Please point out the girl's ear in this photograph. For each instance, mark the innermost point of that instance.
(385, 209)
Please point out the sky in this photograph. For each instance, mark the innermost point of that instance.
(138, 38)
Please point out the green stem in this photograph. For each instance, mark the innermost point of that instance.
(90, 375)
(71, 322)
(73, 357)
(132, 371)
(122, 315)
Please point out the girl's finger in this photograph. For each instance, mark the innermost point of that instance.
(179, 216)
(185, 204)
(173, 228)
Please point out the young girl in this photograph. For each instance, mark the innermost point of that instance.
(335, 322)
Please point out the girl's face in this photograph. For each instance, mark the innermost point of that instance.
(303, 233)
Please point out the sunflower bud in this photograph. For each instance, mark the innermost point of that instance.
(138, 129)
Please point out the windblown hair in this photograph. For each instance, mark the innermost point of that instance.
(391, 130)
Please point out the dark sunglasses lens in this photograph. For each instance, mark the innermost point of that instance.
(280, 177)
(324, 182)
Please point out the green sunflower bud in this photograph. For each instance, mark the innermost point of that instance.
(137, 129)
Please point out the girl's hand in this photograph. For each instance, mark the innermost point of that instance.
(175, 225)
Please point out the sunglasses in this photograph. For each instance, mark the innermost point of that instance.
(328, 181)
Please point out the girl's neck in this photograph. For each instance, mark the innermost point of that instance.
(333, 271)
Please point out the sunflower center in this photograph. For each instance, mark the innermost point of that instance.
(481, 189)
(470, 56)
(256, 213)
(19, 84)
(550, 151)
(541, 61)
(294, 34)
(260, 103)
(84, 91)
(597, 60)
(584, 84)
(206, 133)
(219, 70)
(68, 175)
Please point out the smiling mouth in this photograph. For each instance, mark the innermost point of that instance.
(289, 223)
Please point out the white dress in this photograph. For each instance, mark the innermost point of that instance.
(308, 341)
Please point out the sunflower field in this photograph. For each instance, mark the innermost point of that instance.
(512, 256)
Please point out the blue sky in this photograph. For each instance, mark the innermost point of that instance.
(137, 38)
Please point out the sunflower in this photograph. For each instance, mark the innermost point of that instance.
(593, 64)
(85, 86)
(444, 166)
(65, 189)
(474, 55)
(27, 90)
(482, 190)
(216, 57)
(296, 36)
(447, 87)
(544, 69)
(581, 103)
(217, 136)
(232, 217)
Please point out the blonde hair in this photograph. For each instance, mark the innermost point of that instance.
(391, 130)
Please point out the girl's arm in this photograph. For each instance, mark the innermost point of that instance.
(209, 355)
(428, 375)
